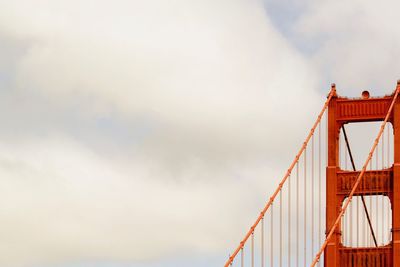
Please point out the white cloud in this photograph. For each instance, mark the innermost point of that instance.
(359, 43)
(62, 202)
(223, 88)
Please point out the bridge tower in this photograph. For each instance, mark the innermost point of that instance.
(342, 111)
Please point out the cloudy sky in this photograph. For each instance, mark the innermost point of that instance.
(150, 133)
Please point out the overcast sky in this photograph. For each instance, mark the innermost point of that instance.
(150, 133)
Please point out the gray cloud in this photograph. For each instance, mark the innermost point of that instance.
(358, 43)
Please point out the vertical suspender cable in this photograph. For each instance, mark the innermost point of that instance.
(272, 234)
(242, 258)
(368, 236)
(357, 221)
(388, 164)
(377, 215)
(367, 230)
(346, 215)
(341, 163)
(297, 214)
(370, 199)
(289, 224)
(363, 237)
(319, 185)
(262, 242)
(358, 218)
(312, 197)
(351, 225)
(361, 225)
(280, 229)
(305, 206)
(383, 219)
(252, 249)
(383, 197)
(376, 197)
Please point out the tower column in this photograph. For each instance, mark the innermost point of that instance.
(331, 251)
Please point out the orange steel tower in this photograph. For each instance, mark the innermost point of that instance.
(383, 182)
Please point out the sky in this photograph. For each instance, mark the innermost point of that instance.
(150, 133)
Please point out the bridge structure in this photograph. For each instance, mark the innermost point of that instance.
(325, 211)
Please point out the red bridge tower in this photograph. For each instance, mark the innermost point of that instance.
(384, 182)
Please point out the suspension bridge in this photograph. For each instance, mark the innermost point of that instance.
(326, 211)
